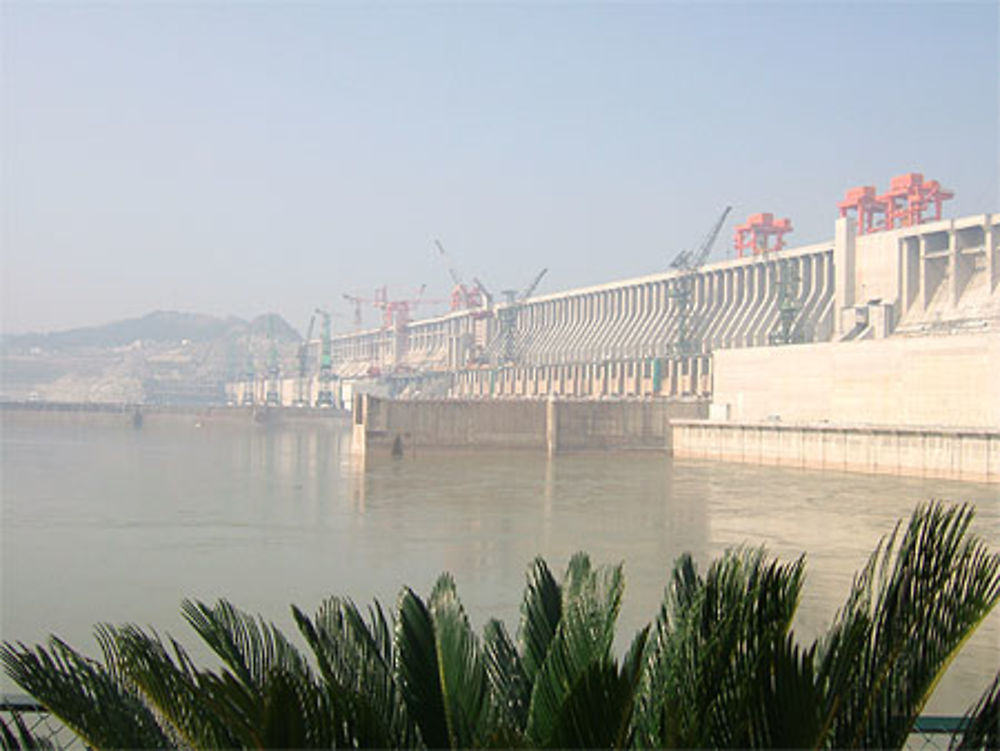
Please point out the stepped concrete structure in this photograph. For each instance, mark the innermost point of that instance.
(875, 352)
(899, 290)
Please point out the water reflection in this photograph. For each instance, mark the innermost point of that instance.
(110, 524)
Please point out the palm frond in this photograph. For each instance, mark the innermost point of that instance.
(182, 695)
(711, 677)
(417, 669)
(250, 647)
(982, 722)
(509, 685)
(582, 642)
(541, 609)
(17, 736)
(919, 598)
(84, 695)
(355, 659)
(464, 687)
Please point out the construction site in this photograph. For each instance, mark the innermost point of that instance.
(895, 321)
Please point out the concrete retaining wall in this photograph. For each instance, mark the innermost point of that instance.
(385, 425)
(972, 455)
(919, 381)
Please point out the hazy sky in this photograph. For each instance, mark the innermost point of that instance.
(237, 158)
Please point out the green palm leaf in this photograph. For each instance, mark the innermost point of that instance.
(512, 673)
(909, 612)
(356, 661)
(17, 736)
(417, 669)
(712, 676)
(464, 687)
(509, 685)
(582, 642)
(440, 669)
(982, 723)
(84, 695)
(541, 609)
(250, 647)
(169, 681)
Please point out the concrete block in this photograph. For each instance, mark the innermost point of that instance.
(973, 457)
(834, 450)
(885, 452)
(858, 451)
(812, 448)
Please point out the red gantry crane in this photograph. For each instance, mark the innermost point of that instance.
(909, 197)
(754, 235)
(463, 296)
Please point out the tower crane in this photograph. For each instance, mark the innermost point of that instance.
(507, 316)
(462, 295)
(357, 303)
(272, 392)
(249, 378)
(680, 287)
(302, 397)
(396, 313)
(484, 292)
(325, 396)
(788, 283)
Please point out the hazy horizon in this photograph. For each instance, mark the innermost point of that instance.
(239, 159)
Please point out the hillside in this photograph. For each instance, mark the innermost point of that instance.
(163, 357)
(159, 326)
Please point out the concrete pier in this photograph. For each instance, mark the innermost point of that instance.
(969, 455)
(403, 427)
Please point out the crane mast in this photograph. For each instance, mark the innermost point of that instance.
(249, 379)
(680, 288)
(302, 397)
(325, 396)
(272, 393)
(507, 318)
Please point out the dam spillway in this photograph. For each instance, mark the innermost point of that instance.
(616, 339)
(899, 326)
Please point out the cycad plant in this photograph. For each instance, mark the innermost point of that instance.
(719, 667)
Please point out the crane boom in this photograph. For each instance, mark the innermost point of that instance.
(449, 263)
(533, 286)
(485, 292)
(709, 241)
(681, 289)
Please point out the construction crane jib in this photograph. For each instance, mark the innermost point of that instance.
(463, 296)
(681, 286)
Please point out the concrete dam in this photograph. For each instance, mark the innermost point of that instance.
(891, 327)
(906, 288)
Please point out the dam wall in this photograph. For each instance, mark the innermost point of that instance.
(947, 380)
(403, 427)
(967, 455)
(619, 339)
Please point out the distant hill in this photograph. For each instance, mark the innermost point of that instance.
(160, 327)
(164, 357)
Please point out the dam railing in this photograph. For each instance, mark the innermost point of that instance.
(18, 710)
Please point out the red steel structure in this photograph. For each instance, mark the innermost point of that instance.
(754, 235)
(396, 313)
(905, 204)
(909, 197)
(861, 201)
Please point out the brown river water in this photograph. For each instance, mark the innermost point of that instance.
(102, 522)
